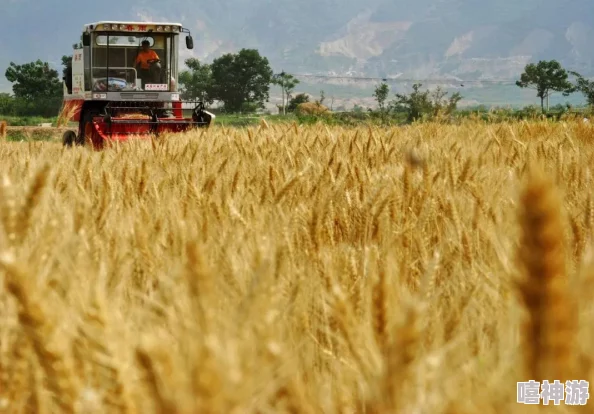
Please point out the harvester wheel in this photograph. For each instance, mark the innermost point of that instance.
(87, 130)
(68, 138)
(88, 133)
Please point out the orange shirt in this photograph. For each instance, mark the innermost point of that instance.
(143, 57)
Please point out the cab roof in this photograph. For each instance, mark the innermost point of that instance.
(136, 26)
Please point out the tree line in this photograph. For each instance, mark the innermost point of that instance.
(241, 83)
(545, 77)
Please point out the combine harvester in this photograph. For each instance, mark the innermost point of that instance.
(113, 99)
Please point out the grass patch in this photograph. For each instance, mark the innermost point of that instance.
(28, 120)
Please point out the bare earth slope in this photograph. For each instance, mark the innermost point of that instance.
(467, 38)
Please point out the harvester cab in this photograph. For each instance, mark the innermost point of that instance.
(123, 83)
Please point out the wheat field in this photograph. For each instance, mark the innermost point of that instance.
(298, 269)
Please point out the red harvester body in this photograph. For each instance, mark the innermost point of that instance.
(116, 93)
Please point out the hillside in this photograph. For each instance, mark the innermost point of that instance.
(469, 39)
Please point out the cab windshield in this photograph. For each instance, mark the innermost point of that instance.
(134, 62)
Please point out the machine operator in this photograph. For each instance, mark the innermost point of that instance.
(147, 71)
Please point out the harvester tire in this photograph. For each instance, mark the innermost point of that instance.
(68, 138)
(87, 130)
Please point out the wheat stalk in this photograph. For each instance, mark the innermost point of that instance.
(549, 328)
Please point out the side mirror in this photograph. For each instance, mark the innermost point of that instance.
(86, 39)
(189, 42)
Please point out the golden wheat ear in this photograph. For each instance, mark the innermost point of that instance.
(39, 329)
(3, 130)
(549, 331)
(65, 115)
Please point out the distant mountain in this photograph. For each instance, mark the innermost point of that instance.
(469, 39)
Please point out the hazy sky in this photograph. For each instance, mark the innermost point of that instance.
(420, 38)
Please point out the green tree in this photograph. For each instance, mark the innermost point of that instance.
(546, 77)
(425, 104)
(381, 95)
(66, 62)
(67, 71)
(441, 105)
(34, 80)
(6, 104)
(241, 78)
(196, 83)
(414, 105)
(585, 86)
(287, 83)
(322, 97)
(298, 99)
